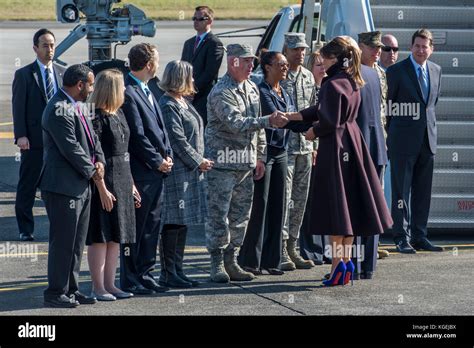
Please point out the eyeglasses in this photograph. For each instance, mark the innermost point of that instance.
(281, 64)
(200, 19)
(389, 48)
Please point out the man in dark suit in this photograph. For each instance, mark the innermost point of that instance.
(413, 91)
(151, 161)
(205, 52)
(33, 86)
(72, 157)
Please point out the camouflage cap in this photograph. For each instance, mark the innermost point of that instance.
(240, 51)
(372, 38)
(295, 40)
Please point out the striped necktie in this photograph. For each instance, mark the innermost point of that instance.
(423, 80)
(49, 84)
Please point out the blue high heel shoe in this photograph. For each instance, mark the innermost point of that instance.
(349, 275)
(338, 275)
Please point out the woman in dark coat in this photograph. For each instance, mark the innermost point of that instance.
(347, 198)
(185, 191)
(112, 219)
(312, 246)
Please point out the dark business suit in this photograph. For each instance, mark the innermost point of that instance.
(206, 61)
(65, 188)
(411, 146)
(28, 102)
(370, 125)
(148, 146)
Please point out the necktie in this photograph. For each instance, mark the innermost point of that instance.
(423, 80)
(49, 84)
(86, 127)
(148, 94)
(196, 43)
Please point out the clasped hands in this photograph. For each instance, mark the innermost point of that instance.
(166, 165)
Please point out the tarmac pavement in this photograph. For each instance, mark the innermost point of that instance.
(414, 285)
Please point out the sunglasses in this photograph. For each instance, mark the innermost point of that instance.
(202, 19)
(389, 48)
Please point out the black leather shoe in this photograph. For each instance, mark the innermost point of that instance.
(26, 237)
(83, 299)
(152, 285)
(274, 271)
(157, 288)
(366, 275)
(139, 290)
(405, 248)
(425, 244)
(254, 271)
(62, 301)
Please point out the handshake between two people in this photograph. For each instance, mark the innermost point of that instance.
(280, 119)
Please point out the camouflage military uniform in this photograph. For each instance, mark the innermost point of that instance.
(301, 86)
(384, 90)
(235, 140)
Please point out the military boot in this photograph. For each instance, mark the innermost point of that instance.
(232, 267)
(299, 262)
(218, 273)
(286, 264)
(382, 253)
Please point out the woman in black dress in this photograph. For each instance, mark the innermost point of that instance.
(112, 218)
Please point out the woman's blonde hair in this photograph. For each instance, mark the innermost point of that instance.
(313, 59)
(178, 78)
(108, 90)
(347, 54)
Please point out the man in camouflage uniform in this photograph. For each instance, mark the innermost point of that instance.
(235, 141)
(300, 85)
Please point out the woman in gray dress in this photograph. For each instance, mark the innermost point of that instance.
(185, 189)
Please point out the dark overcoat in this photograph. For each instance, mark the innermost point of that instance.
(347, 198)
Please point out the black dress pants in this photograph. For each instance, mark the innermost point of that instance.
(138, 260)
(30, 169)
(68, 226)
(263, 240)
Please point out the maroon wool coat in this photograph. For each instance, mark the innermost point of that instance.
(347, 198)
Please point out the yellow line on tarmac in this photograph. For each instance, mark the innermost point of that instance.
(25, 287)
(385, 247)
(6, 124)
(189, 250)
(6, 135)
(20, 255)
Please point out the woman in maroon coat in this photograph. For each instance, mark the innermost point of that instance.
(347, 199)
